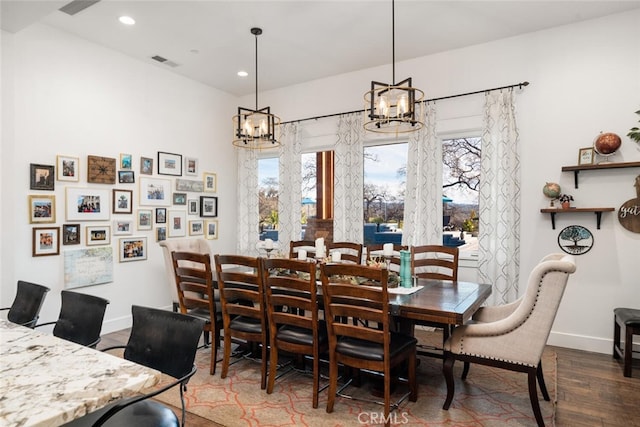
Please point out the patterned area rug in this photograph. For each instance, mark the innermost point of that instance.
(489, 397)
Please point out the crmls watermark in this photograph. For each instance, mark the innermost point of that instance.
(373, 418)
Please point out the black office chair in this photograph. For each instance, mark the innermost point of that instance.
(80, 319)
(27, 304)
(161, 340)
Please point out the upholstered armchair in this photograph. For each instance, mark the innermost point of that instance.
(180, 245)
(514, 336)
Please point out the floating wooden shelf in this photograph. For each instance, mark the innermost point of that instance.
(554, 211)
(576, 169)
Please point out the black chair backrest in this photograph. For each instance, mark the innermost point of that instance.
(81, 317)
(163, 340)
(27, 303)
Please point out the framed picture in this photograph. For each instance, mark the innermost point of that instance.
(122, 227)
(101, 170)
(145, 219)
(161, 234)
(177, 224)
(208, 206)
(586, 156)
(196, 227)
(190, 166)
(70, 234)
(192, 207)
(132, 249)
(122, 201)
(155, 192)
(42, 177)
(189, 185)
(126, 161)
(46, 241)
(161, 215)
(169, 164)
(98, 235)
(67, 168)
(211, 229)
(210, 182)
(179, 198)
(87, 204)
(42, 209)
(126, 177)
(146, 166)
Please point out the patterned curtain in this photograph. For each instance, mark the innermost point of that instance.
(423, 199)
(290, 188)
(248, 215)
(348, 193)
(499, 238)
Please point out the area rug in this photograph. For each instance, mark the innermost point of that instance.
(490, 397)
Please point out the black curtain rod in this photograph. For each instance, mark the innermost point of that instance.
(518, 85)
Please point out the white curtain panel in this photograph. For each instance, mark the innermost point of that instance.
(423, 199)
(348, 193)
(248, 215)
(499, 239)
(290, 187)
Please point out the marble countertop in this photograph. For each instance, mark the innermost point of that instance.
(47, 381)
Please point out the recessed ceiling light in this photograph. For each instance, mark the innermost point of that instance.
(243, 73)
(127, 20)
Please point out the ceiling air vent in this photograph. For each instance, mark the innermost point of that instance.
(77, 6)
(165, 61)
(159, 58)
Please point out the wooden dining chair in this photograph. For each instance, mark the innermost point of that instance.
(349, 251)
(353, 343)
(195, 290)
(374, 252)
(80, 319)
(292, 312)
(27, 304)
(244, 314)
(297, 245)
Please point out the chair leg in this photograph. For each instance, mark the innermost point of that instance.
(465, 370)
(273, 366)
(616, 338)
(447, 369)
(387, 398)
(413, 385)
(227, 355)
(316, 379)
(628, 350)
(333, 383)
(533, 395)
(263, 369)
(541, 383)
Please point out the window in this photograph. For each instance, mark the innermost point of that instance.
(268, 186)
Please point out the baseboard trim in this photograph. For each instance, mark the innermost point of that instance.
(581, 342)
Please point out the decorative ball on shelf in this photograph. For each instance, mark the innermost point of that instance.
(551, 190)
(607, 144)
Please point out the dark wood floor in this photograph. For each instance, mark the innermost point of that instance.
(591, 389)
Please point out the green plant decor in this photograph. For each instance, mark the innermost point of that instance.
(634, 132)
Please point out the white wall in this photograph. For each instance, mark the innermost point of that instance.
(74, 98)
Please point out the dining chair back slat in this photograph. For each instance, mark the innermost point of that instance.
(434, 262)
(349, 251)
(307, 245)
(375, 253)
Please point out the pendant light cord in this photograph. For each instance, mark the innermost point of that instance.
(393, 42)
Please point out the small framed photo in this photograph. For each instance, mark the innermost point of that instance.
(161, 234)
(155, 191)
(179, 198)
(208, 206)
(98, 235)
(586, 156)
(133, 249)
(42, 209)
(70, 234)
(145, 219)
(146, 165)
(42, 177)
(126, 177)
(122, 201)
(190, 166)
(177, 224)
(211, 229)
(210, 182)
(161, 215)
(87, 204)
(192, 207)
(126, 161)
(46, 241)
(169, 164)
(67, 168)
(196, 227)
(122, 227)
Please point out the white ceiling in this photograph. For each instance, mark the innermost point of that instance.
(303, 40)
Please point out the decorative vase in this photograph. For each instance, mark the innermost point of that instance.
(566, 205)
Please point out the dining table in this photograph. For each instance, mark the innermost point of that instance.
(47, 381)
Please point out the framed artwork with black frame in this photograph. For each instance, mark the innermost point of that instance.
(161, 215)
(169, 164)
(122, 201)
(46, 241)
(179, 198)
(42, 177)
(126, 177)
(208, 206)
(70, 234)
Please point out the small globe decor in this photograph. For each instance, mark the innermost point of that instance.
(606, 145)
(551, 190)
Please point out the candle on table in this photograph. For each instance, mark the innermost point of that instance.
(336, 256)
(320, 247)
(387, 249)
(302, 255)
(268, 244)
